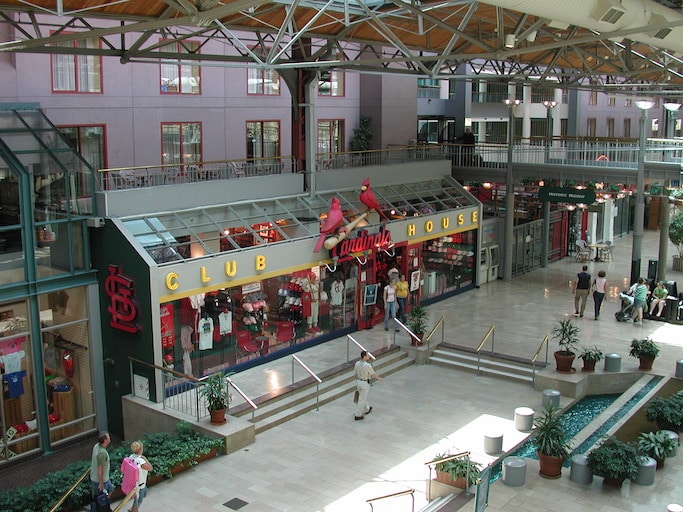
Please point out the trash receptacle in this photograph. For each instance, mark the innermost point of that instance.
(652, 269)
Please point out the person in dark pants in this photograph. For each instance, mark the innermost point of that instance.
(599, 288)
(581, 289)
(467, 148)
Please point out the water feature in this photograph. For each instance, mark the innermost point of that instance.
(581, 414)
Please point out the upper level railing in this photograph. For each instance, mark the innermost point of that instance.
(602, 153)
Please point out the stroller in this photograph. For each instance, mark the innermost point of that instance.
(626, 312)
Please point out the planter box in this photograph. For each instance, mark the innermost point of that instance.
(445, 478)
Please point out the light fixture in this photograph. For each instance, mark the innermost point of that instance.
(571, 207)
(510, 41)
(549, 104)
(644, 104)
(532, 36)
(511, 103)
(487, 184)
(672, 107)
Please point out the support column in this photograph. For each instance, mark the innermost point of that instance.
(509, 192)
(546, 234)
(639, 213)
(663, 237)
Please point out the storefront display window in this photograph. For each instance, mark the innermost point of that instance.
(222, 328)
(448, 263)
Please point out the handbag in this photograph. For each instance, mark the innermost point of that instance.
(355, 397)
(101, 503)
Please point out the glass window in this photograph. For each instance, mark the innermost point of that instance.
(449, 263)
(591, 127)
(263, 139)
(610, 127)
(265, 82)
(627, 128)
(330, 136)
(331, 83)
(180, 77)
(77, 73)
(593, 99)
(628, 102)
(428, 131)
(428, 88)
(611, 101)
(181, 143)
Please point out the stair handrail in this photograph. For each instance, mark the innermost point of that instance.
(243, 395)
(126, 499)
(318, 380)
(533, 359)
(350, 338)
(407, 492)
(425, 339)
(70, 490)
(490, 333)
(441, 322)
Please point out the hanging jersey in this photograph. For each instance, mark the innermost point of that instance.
(225, 322)
(337, 293)
(205, 334)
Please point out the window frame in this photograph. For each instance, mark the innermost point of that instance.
(335, 77)
(263, 154)
(182, 161)
(177, 62)
(332, 148)
(77, 60)
(262, 82)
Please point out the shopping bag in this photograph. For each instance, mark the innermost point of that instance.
(355, 397)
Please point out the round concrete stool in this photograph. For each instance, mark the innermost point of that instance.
(514, 471)
(493, 443)
(524, 419)
(679, 369)
(580, 472)
(612, 363)
(550, 396)
(673, 435)
(646, 471)
(674, 507)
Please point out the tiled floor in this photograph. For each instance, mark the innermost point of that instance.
(326, 461)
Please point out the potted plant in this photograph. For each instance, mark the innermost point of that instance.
(646, 350)
(550, 438)
(567, 335)
(658, 445)
(614, 461)
(215, 391)
(676, 237)
(667, 413)
(456, 470)
(417, 323)
(591, 356)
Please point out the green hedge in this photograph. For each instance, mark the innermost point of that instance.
(164, 451)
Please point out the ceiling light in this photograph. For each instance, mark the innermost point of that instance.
(510, 41)
(672, 107)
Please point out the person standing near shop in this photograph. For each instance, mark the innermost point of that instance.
(390, 305)
(599, 287)
(99, 466)
(402, 288)
(143, 468)
(639, 297)
(581, 289)
(364, 374)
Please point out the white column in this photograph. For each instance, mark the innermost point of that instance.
(609, 211)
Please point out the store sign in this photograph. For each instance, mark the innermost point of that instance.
(363, 241)
(566, 195)
(123, 307)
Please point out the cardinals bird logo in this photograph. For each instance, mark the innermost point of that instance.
(367, 197)
(334, 218)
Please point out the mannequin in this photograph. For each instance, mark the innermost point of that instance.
(312, 287)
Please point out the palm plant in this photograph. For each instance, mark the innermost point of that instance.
(567, 335)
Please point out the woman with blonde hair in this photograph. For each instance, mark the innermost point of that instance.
(143, 468)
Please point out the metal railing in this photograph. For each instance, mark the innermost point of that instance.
(410, 492)
(489, 333)
(348, 347)
(535, 357)
(434, 462)
(123, 178)
(182, 392)
(71, 489)
(425, 340)
(317, 379)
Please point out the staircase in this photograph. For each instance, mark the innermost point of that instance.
(277, 408)
(462, 358)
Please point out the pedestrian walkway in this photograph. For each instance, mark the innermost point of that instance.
(325, 461)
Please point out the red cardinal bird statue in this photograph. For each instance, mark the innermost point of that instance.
(367, 197)
(334, 218)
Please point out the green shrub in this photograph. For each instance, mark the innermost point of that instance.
(164, 451)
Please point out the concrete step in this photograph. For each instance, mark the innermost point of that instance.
(487, 365)
(304, 396)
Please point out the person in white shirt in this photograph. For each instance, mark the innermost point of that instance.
(599, 288)
(143, 468)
